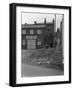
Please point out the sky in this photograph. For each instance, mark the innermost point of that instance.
(29, 18)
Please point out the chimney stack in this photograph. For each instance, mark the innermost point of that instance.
(34, 22)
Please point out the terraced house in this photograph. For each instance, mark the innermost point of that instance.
(35, 35)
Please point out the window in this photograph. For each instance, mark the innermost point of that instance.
(24, 42)
(23, 31)
(38, 42)
(39, 31)
(31, 31)
(31, 37)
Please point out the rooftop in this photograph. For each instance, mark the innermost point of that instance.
(37, 25)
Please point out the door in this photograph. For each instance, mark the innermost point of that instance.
(31, 44)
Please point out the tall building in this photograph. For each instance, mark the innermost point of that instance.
(33, 35)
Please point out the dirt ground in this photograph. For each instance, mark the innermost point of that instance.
(34, 71)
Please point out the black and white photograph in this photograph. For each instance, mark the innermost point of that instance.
(40, 44)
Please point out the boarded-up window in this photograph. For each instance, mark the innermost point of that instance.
(31, 31)
(39, 31)
(23, 31)
(38, 42)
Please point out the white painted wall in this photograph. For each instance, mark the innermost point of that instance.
(4, 45)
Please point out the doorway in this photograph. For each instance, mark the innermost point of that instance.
(31, 44)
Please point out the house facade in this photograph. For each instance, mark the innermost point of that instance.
(33, 35)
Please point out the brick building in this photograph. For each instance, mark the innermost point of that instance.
(32, 33)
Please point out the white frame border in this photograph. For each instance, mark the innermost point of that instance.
(24, 80)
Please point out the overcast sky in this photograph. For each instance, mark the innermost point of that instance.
(29, 18)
